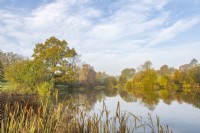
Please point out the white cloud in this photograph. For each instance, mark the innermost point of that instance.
(111, 42)
(105, 31)
(168, 33)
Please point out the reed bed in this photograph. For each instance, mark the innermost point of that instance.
(49, 118)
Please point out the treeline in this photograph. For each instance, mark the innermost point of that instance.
(183, 79)
(54, 63)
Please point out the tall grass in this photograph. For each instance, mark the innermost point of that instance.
(49, 118)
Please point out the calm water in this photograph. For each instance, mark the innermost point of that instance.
(180, 111)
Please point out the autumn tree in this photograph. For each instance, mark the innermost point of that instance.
(195, 74)
(54, 53)
(128, 86)
(165, 76)
(87, 75)
(146, 78)
(121, 81)
(177, 77)
(149, 78)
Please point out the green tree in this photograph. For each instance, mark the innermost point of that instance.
(28, 74)
(110, 82)
(53, 53)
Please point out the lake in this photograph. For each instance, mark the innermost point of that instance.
(181, 111)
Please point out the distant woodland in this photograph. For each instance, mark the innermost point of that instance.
(54, 63)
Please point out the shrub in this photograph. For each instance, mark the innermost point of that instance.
(27, 73)
(45, 88)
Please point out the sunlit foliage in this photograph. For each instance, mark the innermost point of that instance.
(54, 53)
(27, 73)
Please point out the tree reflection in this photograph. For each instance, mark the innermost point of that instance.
(148, 97)
(86, 99)
(110, 91)
(125, 95)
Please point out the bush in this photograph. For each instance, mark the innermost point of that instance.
(27, 73)
(45, 88)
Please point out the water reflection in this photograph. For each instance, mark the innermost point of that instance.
(181, 110)
(147, 98)
(126, 96)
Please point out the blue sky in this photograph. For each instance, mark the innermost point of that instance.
(108, 34)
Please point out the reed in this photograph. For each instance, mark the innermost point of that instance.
(51, 118)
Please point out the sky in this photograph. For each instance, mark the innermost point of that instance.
(110, 35)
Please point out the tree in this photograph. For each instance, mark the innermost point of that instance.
(193, 62)
(147, 65)
(128, 86)
(121, 81)
(194, 73)
(68, 72)
(177, 77)
(110, 81)
(87, 75)
(53, 53)
(10, 58)
(28, 74)
(128, 73)
(164, 70)
(164, 81)
(100, 78)
(149, 78)
(165, 76)
(145, 80)
(73, 68)
(1, 71)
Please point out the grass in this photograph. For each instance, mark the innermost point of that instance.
(44, 117)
